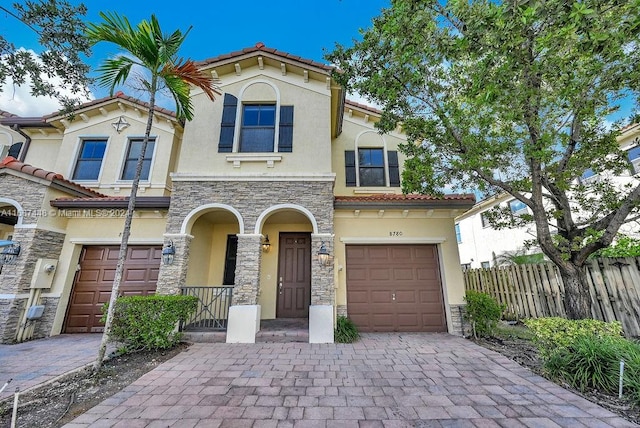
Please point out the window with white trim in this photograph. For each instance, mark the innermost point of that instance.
(517, 207)
(131, 159)
(484, 220)
(458, 234)
(89, 162)
(371, 168)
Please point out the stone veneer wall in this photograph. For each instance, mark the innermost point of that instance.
(16, 279)
(457, 320)
(247, 277)
(29, 194)
(172, 277)
(252, 198)
(42, 327)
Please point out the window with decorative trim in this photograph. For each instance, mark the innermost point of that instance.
(257, 130)
(372, 168)
(90, 156)
(131, 159)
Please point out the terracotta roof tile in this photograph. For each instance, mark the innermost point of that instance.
(260, 47)
(153, 202)
(13, 164)
(362, 106)
(120, 95)
(390, 197)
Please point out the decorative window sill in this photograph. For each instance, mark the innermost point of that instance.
(269, 159)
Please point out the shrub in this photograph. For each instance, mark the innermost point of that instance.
(483, 312)
(593, 362)
(346, 331)
(149, 322)
(625, 246)
(552, 333)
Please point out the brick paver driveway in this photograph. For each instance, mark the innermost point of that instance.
(384, 380)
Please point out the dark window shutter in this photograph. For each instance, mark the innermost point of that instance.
(394, 170)
(229, 276)
(350, 167)
(285, 141)
(227, 127)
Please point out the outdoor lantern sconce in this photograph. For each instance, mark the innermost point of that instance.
(266, 245)
(323, 255)
(168, 252)
(10, 252)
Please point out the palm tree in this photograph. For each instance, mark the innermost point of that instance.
(147, 47)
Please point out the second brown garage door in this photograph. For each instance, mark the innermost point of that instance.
(92, 287)
(395, 288)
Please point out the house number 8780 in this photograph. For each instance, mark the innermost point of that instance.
(395, 233)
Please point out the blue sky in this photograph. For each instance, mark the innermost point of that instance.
(297, 27)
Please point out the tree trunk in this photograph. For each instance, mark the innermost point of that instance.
(577, 299)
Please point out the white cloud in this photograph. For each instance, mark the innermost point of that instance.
(18, 99)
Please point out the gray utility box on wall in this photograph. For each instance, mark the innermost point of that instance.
(35, 312)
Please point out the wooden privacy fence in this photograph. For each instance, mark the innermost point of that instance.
(536, 290)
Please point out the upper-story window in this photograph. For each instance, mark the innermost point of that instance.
(89, 160)
(588, 175)
(131, 160)
(259, 127)
(371, 169)
(484, 220)
(517, 207)
(634, 158)
(458, 234)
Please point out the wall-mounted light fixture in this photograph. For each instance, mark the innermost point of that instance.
(323, 255)
(10, 252)
(266, 245)
(168, 252)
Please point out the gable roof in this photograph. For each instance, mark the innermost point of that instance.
(387, 200)
(12, 164)
(260, 47)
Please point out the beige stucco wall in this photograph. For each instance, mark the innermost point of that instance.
(97, 228)
(419, 226)
(311, 129)
(58, 153)
(207, 252)
(356, 129)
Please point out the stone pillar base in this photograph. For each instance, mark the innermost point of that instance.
(321, 324)
(243, 323)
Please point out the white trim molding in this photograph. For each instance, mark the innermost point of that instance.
(285, 207)
(188, 221)
(391, 240)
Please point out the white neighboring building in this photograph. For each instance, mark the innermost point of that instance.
(479, 244)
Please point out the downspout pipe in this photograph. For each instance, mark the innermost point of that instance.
(27, 142)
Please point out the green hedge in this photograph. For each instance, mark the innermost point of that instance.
(149, 322)
(346, 331)
(483, 312)
(553, 333)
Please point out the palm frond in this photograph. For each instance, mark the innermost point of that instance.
(115, 71)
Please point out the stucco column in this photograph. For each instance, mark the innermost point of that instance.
(322, 278)
(248, 260)
(172, 277)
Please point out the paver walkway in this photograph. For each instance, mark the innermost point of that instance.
(384, 380)
(38, 361)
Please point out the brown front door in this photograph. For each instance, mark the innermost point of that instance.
(93, 283)
(294, 275)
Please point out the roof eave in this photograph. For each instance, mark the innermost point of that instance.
(142, 202)
(431, 205)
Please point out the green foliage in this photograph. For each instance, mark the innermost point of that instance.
(346, 331)
(553, 333)
(510, 97)
(149, 322)
(59, 26)
(519, 257)
(625, 246)
(593, 362)
(483, 312)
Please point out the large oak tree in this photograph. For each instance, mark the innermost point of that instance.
(512, 96)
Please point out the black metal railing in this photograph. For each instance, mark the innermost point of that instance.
(213, 308)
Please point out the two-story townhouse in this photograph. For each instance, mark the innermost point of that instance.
(280, 189)
(480, 245)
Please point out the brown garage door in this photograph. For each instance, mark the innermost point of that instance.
(395, 288)
(92, 287)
